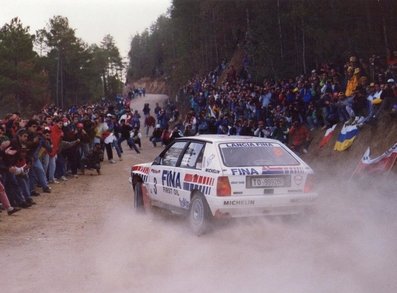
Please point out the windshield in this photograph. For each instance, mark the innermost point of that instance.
(243, 154)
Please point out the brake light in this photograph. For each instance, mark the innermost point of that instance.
(309, 183)
(223, 186)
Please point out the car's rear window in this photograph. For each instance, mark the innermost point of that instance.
(244, 154)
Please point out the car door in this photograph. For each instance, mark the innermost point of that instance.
(164, 177)
(189, 167)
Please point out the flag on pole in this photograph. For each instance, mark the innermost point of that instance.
(328, 135)
(377, 166)
(346, 137)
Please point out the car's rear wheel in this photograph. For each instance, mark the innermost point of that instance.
(199, 215)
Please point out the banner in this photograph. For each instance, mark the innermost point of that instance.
(346, 137)
(377, 166)
(328, 135)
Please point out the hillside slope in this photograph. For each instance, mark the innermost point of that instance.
(379, 137)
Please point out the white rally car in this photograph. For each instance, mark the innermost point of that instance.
(210, 176)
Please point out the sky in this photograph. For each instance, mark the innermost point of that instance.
(92, 19)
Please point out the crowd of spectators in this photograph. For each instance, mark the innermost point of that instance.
(356, 92)
(55, 145)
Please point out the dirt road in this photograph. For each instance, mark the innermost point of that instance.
(86, 237)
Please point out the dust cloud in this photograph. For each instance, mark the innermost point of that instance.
(348, 244)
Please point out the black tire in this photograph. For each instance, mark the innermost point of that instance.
(199, 215)
(138, 195)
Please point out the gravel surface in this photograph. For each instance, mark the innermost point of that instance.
(86, 237)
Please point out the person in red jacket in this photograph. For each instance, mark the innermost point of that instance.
(56, 139)
(300, 137)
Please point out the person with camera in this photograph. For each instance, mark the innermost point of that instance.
(36, 141)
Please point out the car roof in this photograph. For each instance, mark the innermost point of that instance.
(222, 138)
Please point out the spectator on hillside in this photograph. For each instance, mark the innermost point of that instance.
(280, 132)
(261, 130)
(300, 137)
(352, 82)
(388, 96)
(342, 103)
(175, 133)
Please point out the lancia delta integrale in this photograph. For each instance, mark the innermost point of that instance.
(215, 176)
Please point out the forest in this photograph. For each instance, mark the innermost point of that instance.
(53, 66)
(281, 38)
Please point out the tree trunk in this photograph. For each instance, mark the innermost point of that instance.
(215, 38)
(384, 27)
(303, 46)
(280, 32)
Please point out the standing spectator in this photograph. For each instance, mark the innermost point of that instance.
(35, 142)
(56, 139)
(125, 134)
(136, 120)
(72, 153)
(150, 121)
(136, 137)
(146, 110)
(16, 162)
(156, 135)
(166, 136)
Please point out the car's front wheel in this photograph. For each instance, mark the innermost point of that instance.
(199, 215)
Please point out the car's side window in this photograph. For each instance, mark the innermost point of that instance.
(170, 157)
(193, 156)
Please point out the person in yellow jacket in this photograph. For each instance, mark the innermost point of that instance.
(352, 83)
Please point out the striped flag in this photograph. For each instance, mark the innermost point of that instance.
(377, 166)
(346, 137)
(328, 135)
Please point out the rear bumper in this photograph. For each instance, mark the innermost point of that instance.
(250, 206)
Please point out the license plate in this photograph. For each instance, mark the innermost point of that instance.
(273, 181)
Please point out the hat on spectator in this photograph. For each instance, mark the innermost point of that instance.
(390, 80)
(80, 125)
(372, 84)
(357, 70)
(157, 125)
(22, 131)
